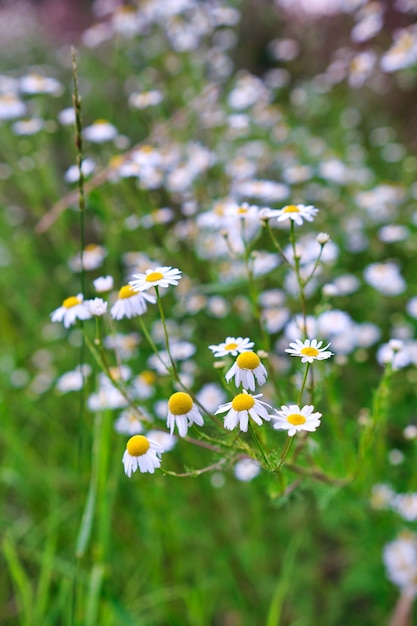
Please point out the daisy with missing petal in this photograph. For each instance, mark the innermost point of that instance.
(309, 351)
(158, 277)
(293, 419)
(182, 413)
(295, 212)
(243, 406)
(130, 303)
(73, 308)
(246, 369)
(141, 453)
(232, 346)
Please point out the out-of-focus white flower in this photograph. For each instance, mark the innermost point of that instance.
(400, 559)
(102, 284)
(100, 131)
(403, 51)
(385, 278)
(247, 469)
(130, 303)
(232, 346)
(72, 308)
(73, 172)
(97, 306)
(11, 107)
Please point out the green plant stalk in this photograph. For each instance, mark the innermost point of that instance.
(21, 582)
(174, 370)
(76, 100)
(374, 433)
(259, 445)
(298, 275)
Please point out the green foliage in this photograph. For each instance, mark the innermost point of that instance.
(302, 542)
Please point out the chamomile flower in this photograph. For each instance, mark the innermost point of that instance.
(128, 423)
(232, 346)
(100, 131)
(97, 306)
(103, 284)
(72, 309)
(293, 419)
(241, 408)
(309, 350)
(182, 413)
(158, 277)
(246, 369)
(141, 453)
(130, 303)
(295, 212)
(246, 469)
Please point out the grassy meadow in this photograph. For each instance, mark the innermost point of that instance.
(231, 440)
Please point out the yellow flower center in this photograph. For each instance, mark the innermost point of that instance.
(291, 208)
(309, 351)
(138, 445)
(147, 148)
(180, 403)
(91, 247)
(248, 361)
(230, 346)
(70, 302)
(242, 210)
(126, 292)
(154, 276)
(296, 419)
(101, 122)
(242, 402)
(148, 377)
(116, 161)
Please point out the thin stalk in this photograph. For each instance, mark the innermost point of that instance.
(164, 325)
(303, 384)
(258, 445)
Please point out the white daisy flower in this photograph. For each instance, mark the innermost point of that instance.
(128, 423)
(293, 419)
(243, 406)
(295, 212)
(246, 369)
(309, 351)
(73, 308)
(100, 131)
(130, 303)
(141, 453)
(163, 439)
(182, 413)
(103, 284)
(232, 346)
(246, 469)
(158, 277)
(97, 306)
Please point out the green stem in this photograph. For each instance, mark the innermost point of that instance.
(316, 264)
(259, 446)
(278, 247)
(174, 370)
(303, 384)
(299, 277)
(285, 452)
(76, 100)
